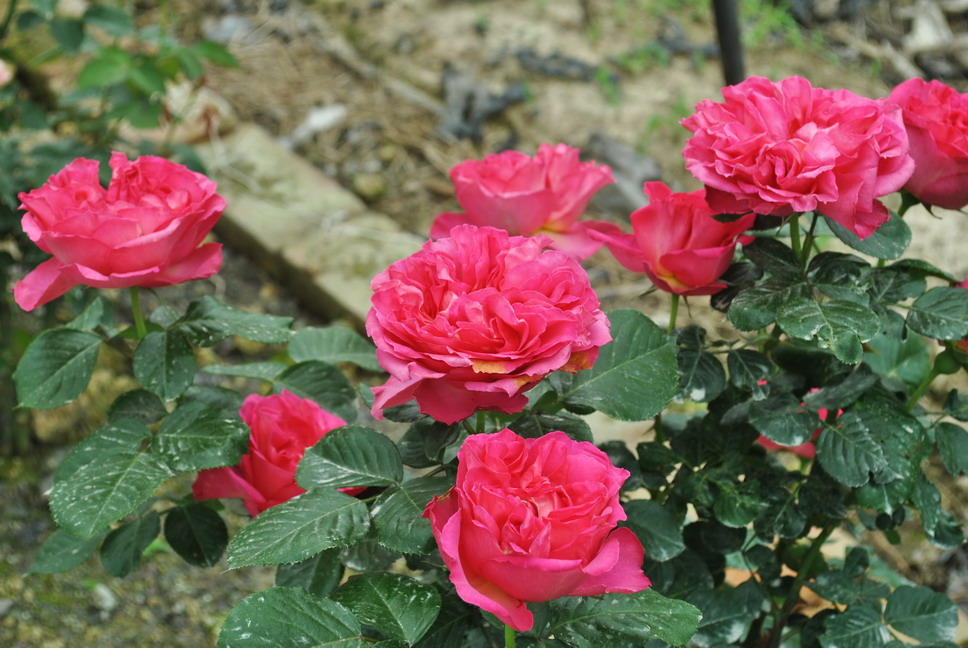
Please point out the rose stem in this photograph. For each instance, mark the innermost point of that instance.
(509, 641)
(923, 387)
(139, 318)
(795, 234)
(808, 241)
(673, 311)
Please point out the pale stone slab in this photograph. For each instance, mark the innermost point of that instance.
(300, 225)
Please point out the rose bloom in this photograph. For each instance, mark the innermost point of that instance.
(780, 148)
(532, 520)
(145, 229)
(472, 321)
(281, 427)
(527, 195)
(936, 119)
(677, 242)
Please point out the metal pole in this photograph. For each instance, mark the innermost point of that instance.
(730, 44)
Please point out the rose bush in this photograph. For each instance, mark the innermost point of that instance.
(145, 229)
(526, 195)
(936, 118)
(281, 427)
(532, 520)
(677, 242)
(785, 147)
(474, 320)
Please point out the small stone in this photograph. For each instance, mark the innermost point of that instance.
(369, 186)
(104, 599)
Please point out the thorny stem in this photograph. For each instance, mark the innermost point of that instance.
(139, 318)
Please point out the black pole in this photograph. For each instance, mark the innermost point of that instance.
(730, 44)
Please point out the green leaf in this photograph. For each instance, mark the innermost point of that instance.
(725, 617)
(114, 21)
(887, 242)
(350, 456)
(318, 575)
(924, 268)
(322, 383)
(196, 436)
(535, 424)
(397, 514)
(139, 405)
(90, 317)
(838, 325)
(921, 613)
(113, 485)
(61, 552)
(772, 256)
(893, 284)
(299, 528)
(738, 504)
(190, 64)
(621, 620)
(781, 418)
(111, 66)
(209, 321)
(285, 616)
(859, 627)
(842, 393)
(399, 606)
(756, 307)
(904, 359)
(367, 556)
(122, 549)
(941, 528)
(701, 374)
(216, 53)
(953, 448)
(148, 78)
(68, 32)
(119, 437)
(747, 368)
(164, 364)
(847, 451)
(258, 370)
(635, 376)
(658, 527)
(56, 368)
(941, 313)
(452, 623)
(197, 534)
(333, 344)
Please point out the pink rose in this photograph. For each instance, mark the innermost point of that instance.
(545, 194)
(532, 520)
(780, 148)
(281, 427)
(936, 118)
(145, 229)
(677, 242)
(472, 321)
